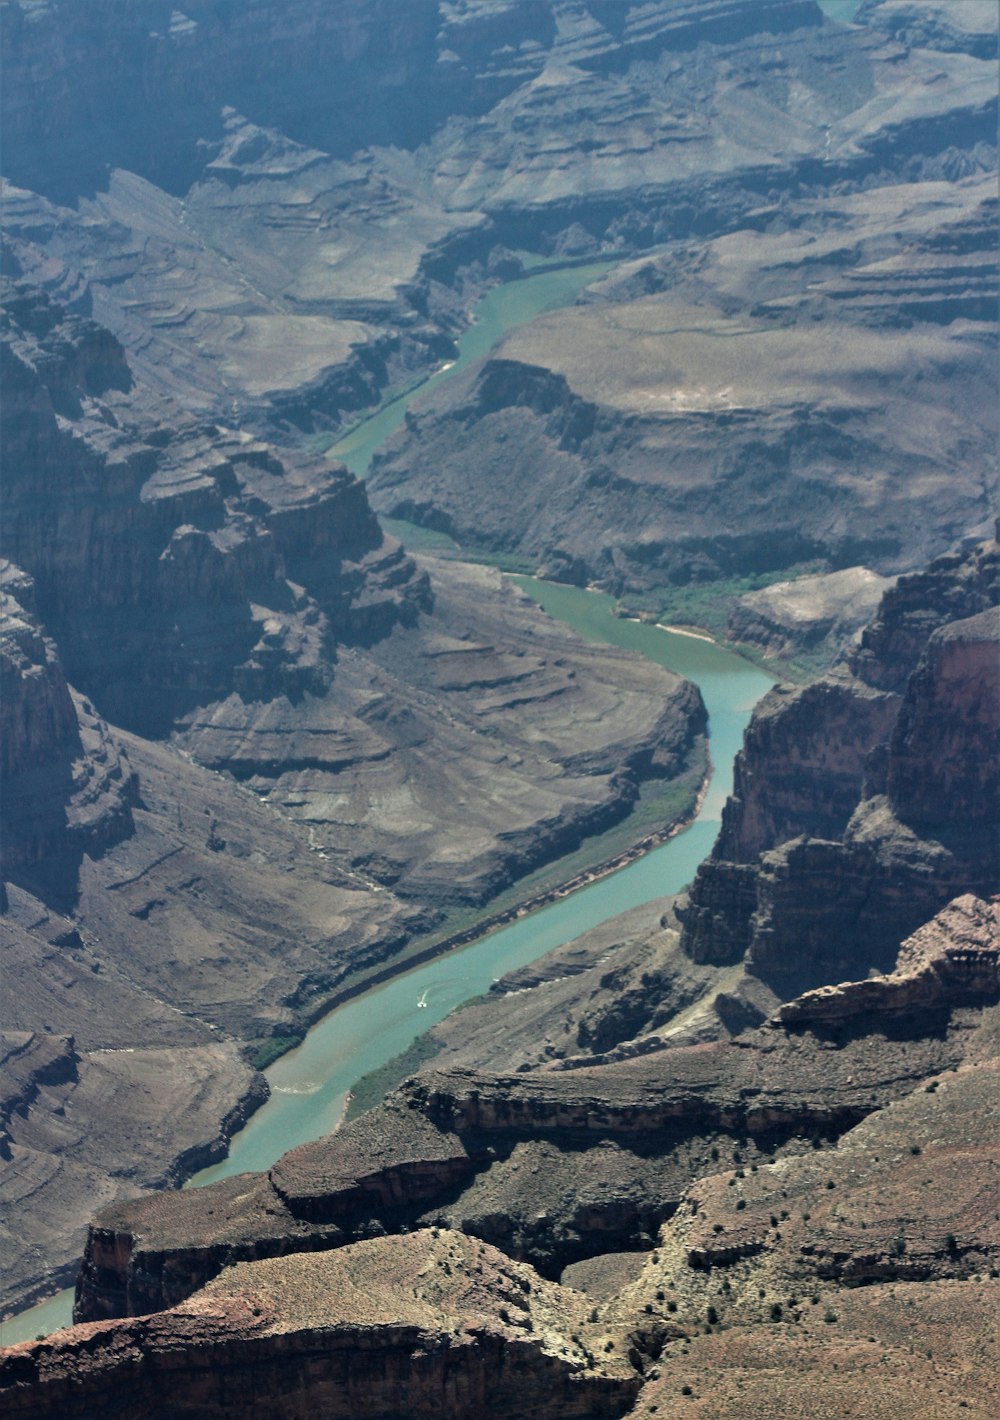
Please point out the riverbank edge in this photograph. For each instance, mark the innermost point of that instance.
(181, 1167)
(492, 923)
(192, 1161)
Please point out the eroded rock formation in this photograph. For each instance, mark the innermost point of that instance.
(865, 801)
(197, 583)
(430, 1323)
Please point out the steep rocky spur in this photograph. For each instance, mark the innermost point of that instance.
(892, 805)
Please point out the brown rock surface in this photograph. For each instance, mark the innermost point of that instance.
(552, 1164)
(427, 1325)
(954, 957)
(864, 802)
(887, 1355)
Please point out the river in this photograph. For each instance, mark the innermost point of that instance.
(502, 309)
(310, 1084)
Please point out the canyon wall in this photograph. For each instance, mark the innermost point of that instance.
(863, 802)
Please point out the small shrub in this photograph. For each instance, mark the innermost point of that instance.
(686, 1390)
(711, 1316)
(671, 1306)
(830, 1315)
(915, 1149)
(776, 1312)
(741, 1203)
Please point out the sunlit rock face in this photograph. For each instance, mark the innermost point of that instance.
(867, 800)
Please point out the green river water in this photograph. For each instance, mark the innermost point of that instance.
(310, 1084)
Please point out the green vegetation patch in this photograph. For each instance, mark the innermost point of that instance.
(262, 1053)
(372, 1088)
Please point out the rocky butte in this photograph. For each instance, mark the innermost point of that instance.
(735, 1150)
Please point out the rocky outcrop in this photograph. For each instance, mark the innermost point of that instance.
(430, 1324)
(858, 812)
(904, 1195)
(934, 24)
(170, 563)
(67, 784)
(942, 772)
(810, 614)
(956, 586)
(552, 1164)
(951, 960)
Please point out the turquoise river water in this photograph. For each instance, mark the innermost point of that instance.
(310, 1084)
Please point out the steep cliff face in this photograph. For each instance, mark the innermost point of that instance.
(169, 561)
(954, 587)
(430, 1324)
(891, 806)
(554, 1164)
(942, 773)
(67, 784)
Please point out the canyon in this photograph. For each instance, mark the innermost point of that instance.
(701, 1143)
(272, 730)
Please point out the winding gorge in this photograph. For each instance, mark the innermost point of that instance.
(456, 453)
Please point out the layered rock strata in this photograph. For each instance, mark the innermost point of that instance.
(865, 801)
(200, 584)
(170, 560)
(430, 1324)
(662, 430)
(555, 1164)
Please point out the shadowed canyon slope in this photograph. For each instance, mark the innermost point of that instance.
(255, 750)
(856, 1116)
(300, 718)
